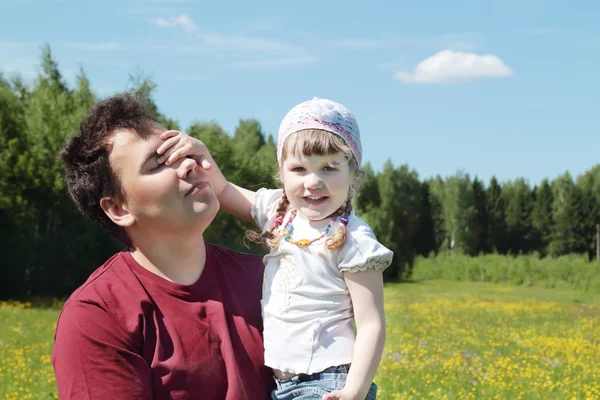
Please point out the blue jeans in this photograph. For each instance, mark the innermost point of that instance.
(314, 386)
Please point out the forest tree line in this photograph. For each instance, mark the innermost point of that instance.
(49, 248)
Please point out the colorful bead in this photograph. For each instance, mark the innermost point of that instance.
(278, 221)
(289, 228)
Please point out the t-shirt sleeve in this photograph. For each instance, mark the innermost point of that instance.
(265, 206)
(93, 358)
(362, 251)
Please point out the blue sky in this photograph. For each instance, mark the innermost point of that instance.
(509, 88)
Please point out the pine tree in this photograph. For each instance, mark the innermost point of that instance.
(519, 205)
(569, 218)
(496, 215)
(481, 220)
(541, 217)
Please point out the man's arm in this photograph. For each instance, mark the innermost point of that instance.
(94, 359)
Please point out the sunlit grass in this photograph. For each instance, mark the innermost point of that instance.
(26, 334)
(483, 341)
(445, 340)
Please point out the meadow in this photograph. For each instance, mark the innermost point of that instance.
(445, 340)
(465, 340)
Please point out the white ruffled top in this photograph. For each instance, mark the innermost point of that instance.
(306, 306)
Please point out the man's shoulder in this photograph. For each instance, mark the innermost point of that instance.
(235, 263)
(109, 294)
(110, 279)
(234, 257)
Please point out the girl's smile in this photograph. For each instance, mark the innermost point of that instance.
(316, 185)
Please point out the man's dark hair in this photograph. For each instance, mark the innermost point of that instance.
(88, 173)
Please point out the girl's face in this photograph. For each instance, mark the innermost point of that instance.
(316, 185)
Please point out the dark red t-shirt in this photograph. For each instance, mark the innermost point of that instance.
(130, 334)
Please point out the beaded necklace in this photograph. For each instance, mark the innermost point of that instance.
(289, 228)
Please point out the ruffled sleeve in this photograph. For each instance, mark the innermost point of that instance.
(265, 206)
(362, 251)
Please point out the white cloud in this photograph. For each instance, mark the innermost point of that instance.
(278, 63)
(452, 66)
(161, 22)
(186, 23)
(182, 22)
(238, 42)
(217, 40)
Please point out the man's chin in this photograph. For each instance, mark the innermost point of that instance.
(206, 208)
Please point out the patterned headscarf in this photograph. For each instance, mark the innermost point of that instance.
(321, 114)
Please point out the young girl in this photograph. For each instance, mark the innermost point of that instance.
(324, 266)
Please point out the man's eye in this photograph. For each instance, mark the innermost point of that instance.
(157, 167)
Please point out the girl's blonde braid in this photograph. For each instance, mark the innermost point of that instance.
(339, 237)
(273, 235)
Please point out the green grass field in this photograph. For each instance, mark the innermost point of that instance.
(446, 340)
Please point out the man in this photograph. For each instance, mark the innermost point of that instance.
(172, 317)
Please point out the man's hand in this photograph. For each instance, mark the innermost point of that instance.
(178, 145)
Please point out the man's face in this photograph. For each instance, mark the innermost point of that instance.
(167, 199)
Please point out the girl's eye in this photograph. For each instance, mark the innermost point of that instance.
(298, 169)
(329, 168)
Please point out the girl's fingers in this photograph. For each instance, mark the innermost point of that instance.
(168, 134)
(204, 163)
(178, 153)
(167, 144)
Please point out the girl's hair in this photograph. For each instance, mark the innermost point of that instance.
(310, 142)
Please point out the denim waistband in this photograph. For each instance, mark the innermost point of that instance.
(329, 373)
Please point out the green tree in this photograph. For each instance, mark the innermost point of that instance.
(569, 218)
(458, 210)
(12, 204)
(519, 202)
(436, 190)
(481, 228)
(541, 217)
(367, 196)
(395, 220)
(424, 240)
(589, 185)
(496, 217)
(143, 84)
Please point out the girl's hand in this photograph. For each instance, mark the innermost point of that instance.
(178, 145)
(340, 395)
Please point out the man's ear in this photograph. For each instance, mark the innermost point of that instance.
(117, 212)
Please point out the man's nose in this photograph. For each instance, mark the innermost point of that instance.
(187, 167)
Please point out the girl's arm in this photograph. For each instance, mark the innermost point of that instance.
(366, 291)
(233, 199)
(237, 201)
